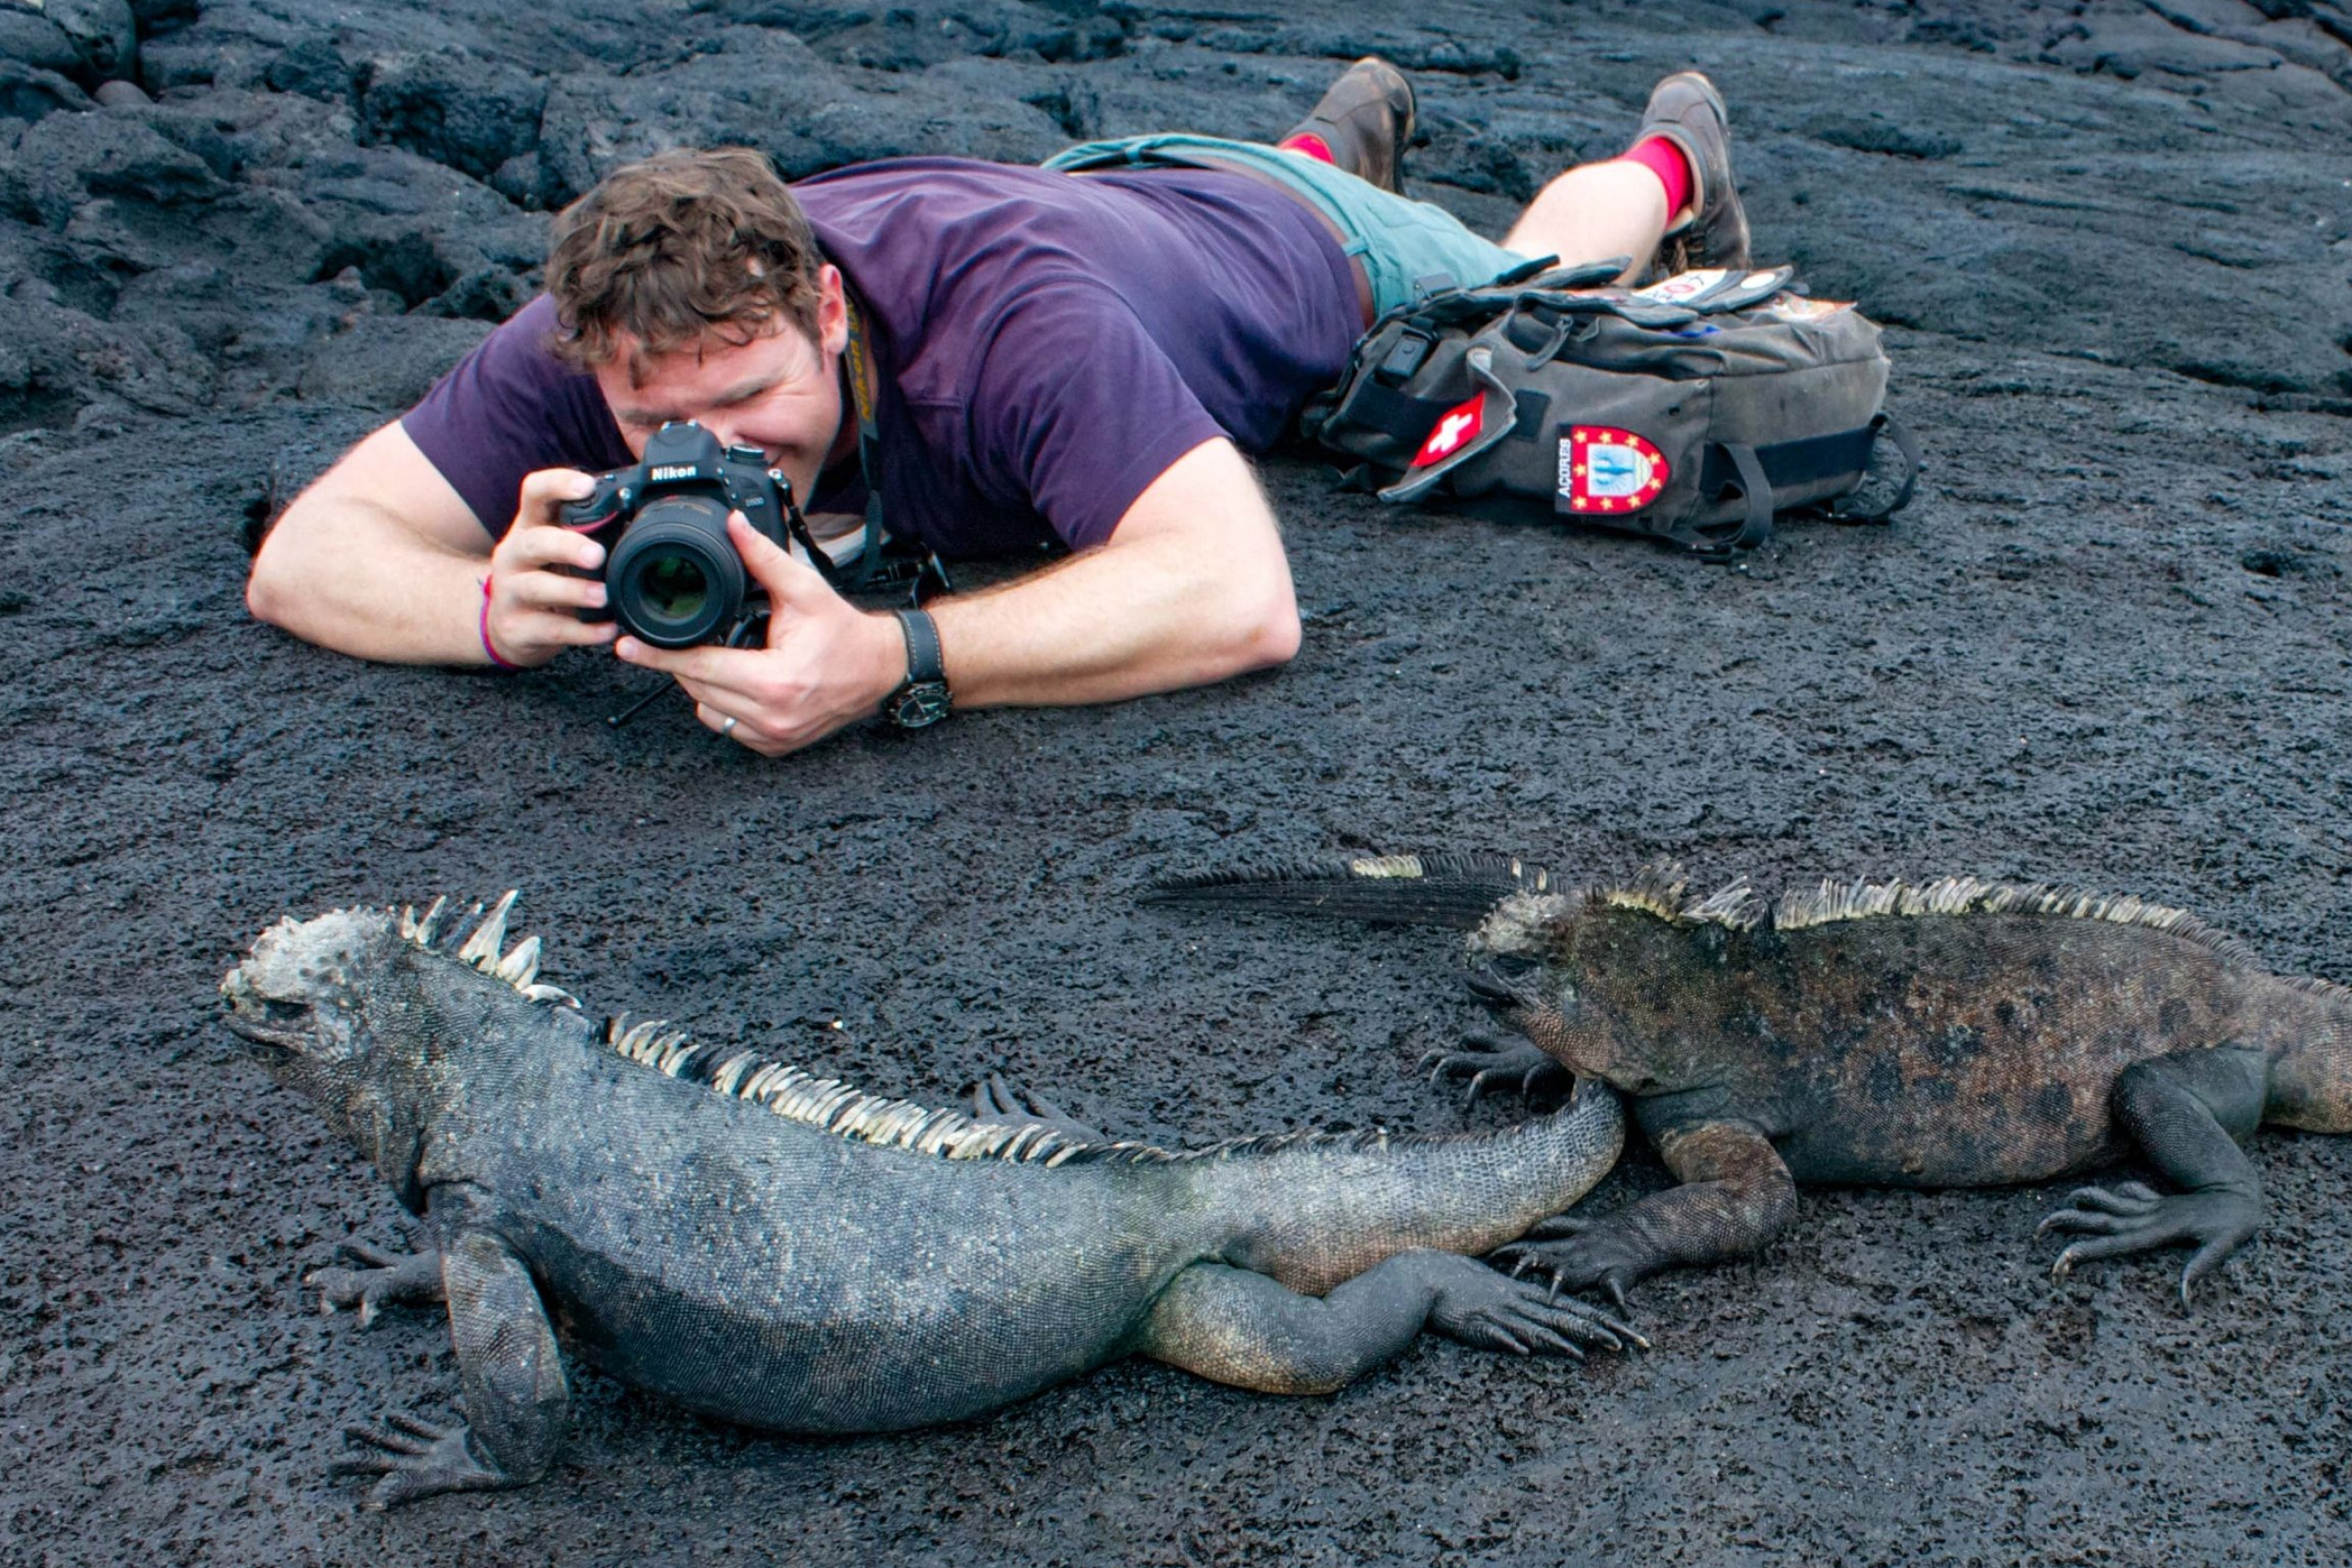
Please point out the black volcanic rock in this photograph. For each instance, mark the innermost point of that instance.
(70, 164)
(102, 33)
(1959, 131)
(28, 93)
(29, 38)
(471, 115)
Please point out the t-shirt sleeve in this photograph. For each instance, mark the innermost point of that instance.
(1075, 410)
(511, 408)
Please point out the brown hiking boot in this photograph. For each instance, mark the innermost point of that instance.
(1686, 109)
(1366, 119)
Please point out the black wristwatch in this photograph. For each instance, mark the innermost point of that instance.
(922, 698)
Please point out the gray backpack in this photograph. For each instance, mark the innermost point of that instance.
(1691, 411)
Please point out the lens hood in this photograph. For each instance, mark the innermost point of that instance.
(674, 579)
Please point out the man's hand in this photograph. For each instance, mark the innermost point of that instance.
(534, 610)
(828, 663)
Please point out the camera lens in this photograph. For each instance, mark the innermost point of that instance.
(672, 588)
(674, 577)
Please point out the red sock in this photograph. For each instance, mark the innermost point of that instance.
(1314, 146)
(1664, 159)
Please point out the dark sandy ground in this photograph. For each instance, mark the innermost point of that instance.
(2107, 644)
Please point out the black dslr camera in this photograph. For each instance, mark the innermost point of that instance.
(671, 576)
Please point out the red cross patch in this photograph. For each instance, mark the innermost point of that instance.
(1607, 470)
(1457, 428)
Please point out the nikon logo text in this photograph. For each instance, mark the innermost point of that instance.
(673, 471)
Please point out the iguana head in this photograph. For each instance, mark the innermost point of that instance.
(1605, 970)
(361, 1010)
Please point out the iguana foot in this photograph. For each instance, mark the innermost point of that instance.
(1501, 1057)
(1579, 1255)
(389, 1277)
(416, 1459)
(1010, 1105)
(1492, 1312)
(2135, 1218)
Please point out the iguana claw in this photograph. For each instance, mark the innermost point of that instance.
(2135, 1218)
(389, 1277)
(1510, 1314)
(1577, 1257)
(1486, 1055)
(416, 1459)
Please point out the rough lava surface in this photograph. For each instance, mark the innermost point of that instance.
(2107, 644)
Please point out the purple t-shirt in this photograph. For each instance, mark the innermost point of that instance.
(1047, 346)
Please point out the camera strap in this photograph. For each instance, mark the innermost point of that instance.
(869, 446)
(873, 571)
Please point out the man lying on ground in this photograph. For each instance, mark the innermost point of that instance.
(1065, 364)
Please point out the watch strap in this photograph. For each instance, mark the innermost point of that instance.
(925, 662)
(922, 698)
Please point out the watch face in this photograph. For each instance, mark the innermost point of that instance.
(919, 702)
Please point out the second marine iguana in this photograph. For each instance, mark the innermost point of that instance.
(1948, 1033)
(777, 1249)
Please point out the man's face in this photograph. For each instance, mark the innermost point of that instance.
(780, 391)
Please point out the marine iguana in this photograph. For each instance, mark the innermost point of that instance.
(775, 1248)
(1955, 1032)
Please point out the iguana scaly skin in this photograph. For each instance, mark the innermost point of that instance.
(1948, 1033)
(778, 1250)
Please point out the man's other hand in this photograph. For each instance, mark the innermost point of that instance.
(827, 662)
(534, 610)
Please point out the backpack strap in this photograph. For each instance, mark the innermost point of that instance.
(1402, 418)
(1909, 449)
(1754, 472)
(1732, 468)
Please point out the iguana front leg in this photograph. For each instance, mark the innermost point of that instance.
(2186, 1112)
(513, 1383)
(1243, 1328)
(1736, 1196)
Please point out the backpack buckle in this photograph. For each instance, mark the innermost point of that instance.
(1404, 357)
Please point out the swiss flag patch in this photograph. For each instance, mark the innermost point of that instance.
(1455, 431)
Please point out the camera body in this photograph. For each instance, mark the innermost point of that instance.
(671, 576)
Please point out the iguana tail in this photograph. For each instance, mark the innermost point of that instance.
(1455, 890)
(1313, 1210)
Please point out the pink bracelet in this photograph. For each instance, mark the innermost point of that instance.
(495, 658)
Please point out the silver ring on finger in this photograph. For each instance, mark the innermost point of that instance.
(728, 727)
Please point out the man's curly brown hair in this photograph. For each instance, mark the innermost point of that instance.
(667, 251)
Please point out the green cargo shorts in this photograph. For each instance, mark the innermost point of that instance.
(1407, 247)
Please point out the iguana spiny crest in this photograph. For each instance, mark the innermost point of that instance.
(297, 965)
(1517, 924)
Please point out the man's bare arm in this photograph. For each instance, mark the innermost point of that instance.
(383, 559)
(1193, 587)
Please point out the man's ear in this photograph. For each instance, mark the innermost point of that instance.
(833, 310)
